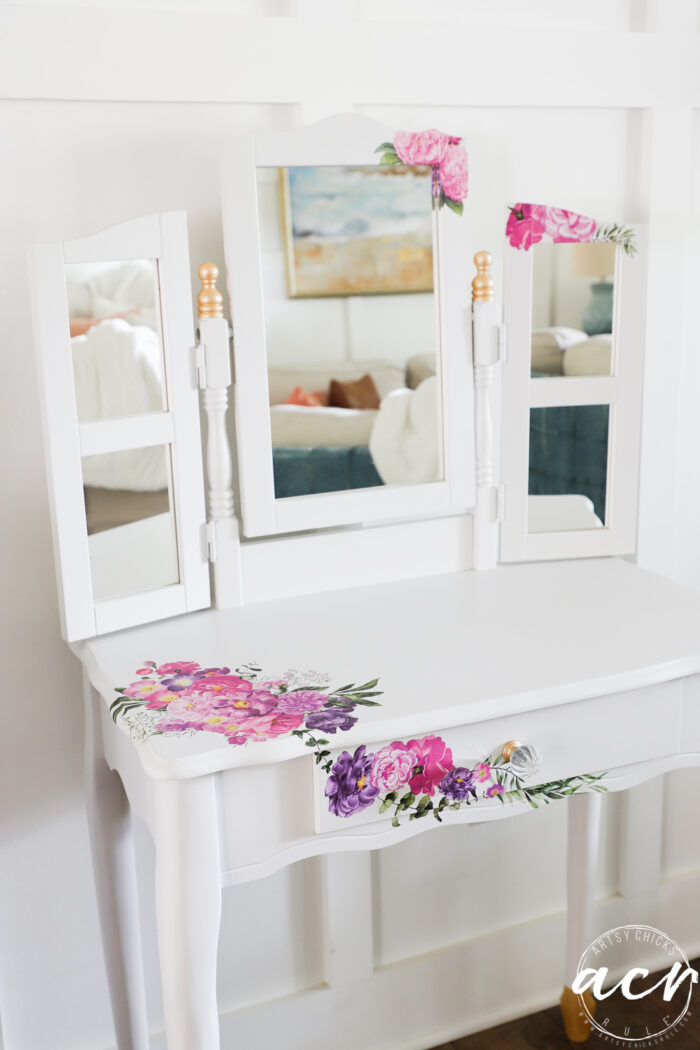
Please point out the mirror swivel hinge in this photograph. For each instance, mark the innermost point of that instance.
(500, 503)
(211, 541)
(502, 342)
(200, 364)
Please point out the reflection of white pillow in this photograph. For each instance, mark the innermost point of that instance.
(557, 336)
(318, 377)
(591, 358)
(418, 368)
(297, 426)
(549, 345)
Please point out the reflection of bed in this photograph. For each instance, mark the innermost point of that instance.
(303, 471)
(317, 449)
(569, 451)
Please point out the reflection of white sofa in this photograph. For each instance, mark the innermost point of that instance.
(300, 426)
(314, 377)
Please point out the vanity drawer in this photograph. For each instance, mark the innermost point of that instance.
(588, 736)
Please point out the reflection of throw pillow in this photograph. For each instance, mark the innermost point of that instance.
(360, 393)
(299, 396)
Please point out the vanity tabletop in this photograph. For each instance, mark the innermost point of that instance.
(382, 662)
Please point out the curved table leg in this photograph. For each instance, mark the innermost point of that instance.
(188, 909)
(109, 823)
(582, 856)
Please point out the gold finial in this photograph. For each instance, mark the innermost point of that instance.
(210, 301)
(509, 748)
(483, 284)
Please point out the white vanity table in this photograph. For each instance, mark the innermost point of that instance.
(591, 664)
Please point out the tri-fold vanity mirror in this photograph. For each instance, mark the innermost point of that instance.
(349, 268)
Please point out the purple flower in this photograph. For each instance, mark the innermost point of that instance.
(181, 681)
(458, 784)
(300, 701)
(330, 719)
(495, 789)
(348, 788)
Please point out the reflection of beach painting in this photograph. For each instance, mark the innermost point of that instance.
(357, 231)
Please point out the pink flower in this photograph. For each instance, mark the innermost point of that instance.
(272, 686)
(421, 147)
(224, 685)
(265, 728)
(525, 225)
(160, 700)
(301, 700)
(146, 689)
(185, 667)
(454, 173)
(144, 670)
(482, 772)
(435, 757)
(563, 226)
(392, 766)
(495, 789)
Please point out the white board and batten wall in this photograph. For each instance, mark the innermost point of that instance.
(92, 142)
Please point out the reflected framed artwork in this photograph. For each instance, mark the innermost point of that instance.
(357, 230)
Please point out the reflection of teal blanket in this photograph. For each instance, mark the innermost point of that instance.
(569, 452)
(302, 471)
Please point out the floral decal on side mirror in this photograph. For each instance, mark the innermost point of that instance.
(444, 154)
(529, 224)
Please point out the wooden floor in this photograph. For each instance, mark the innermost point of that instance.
(544, 1031)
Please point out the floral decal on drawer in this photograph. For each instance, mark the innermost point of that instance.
(444, 154)
(420, 778)
(243, 705)
(529, 224)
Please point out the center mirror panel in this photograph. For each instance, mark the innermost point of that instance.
(348, 261)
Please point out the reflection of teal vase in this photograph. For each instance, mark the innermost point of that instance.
(597, 317)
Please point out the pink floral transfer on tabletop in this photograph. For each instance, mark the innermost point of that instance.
(444, 154)
(420, 778)
(529, 224)
(242, 705)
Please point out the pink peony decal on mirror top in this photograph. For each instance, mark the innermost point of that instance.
(444, 154)
(529, 224)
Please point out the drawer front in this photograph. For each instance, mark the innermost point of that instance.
(588, 736)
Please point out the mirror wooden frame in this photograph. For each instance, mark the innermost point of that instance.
(344, 140)
(622, 391)
(162, 238)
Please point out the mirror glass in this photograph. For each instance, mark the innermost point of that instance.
(116, 341)
(350, 326)
(130, 521)
(568, 468)
(572, 309)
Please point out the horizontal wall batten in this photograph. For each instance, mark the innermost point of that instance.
(70, 53)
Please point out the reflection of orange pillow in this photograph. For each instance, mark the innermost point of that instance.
(80, 325)
(360, 393)
(299, 396)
